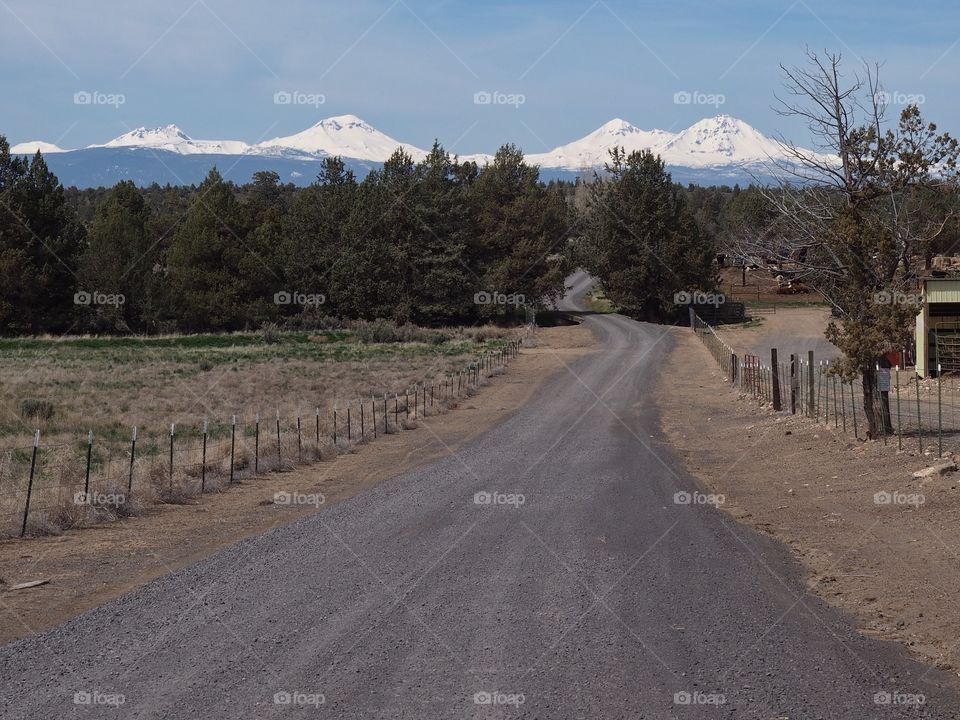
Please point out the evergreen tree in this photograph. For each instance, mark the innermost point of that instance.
(40, 241)
(640, 240)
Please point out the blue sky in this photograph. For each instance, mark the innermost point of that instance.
(411, 67)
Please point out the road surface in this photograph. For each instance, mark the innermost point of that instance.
(545, 571)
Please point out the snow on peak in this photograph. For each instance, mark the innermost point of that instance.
(593, 150)
(344, 135)
(720, 140)
(31, 147)
(173, 139)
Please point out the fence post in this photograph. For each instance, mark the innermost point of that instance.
(810, 383)
(939, 411)
(386, 415)
(172, 429)
(373, 416)
(133, 452)
(853, 411)
(299, 442)
(203, 460)
(233, 443)
(33, 466)
(362, 423)
(279, 459)
(318, 426)
(86, 482)
(775, 379)
(334, 423)
(793, 383)
(349, 424)
(919, 419)
(256, 445)
(899, 430)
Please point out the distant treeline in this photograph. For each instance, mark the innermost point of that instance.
(434, 242)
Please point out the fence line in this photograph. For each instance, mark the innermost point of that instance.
(68, 484)
(915, 413)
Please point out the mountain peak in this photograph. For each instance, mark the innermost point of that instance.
(344, 135)
(32, 146)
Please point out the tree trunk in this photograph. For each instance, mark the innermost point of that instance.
(876, 406)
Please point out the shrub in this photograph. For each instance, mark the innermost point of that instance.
(36, 409)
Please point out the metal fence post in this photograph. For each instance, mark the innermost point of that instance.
(133, 452)
(919, 419)
(899, 429)
(279, 458)
(809, 383)
(299, 442)
(33, 466)
(172, 430)
(939, 411)
(233, 443)
(86, 482)
(203, 460)
(775, 379)
(256, 445)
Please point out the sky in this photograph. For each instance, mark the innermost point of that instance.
(82, 72)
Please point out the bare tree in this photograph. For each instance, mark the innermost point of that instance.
(856, 218)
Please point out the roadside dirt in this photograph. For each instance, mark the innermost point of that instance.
(893, 565)
(88, 567)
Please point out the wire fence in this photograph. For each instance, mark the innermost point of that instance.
(45, 488)
(912, 412)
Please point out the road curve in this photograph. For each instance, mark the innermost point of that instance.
(544, 571)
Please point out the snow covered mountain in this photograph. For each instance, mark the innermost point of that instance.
(173, 139)
(344, 135)
(714, 150)
(31, 147)
(592, 151)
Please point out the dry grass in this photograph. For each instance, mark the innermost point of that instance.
(110, 386)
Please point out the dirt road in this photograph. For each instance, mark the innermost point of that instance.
(560, 565)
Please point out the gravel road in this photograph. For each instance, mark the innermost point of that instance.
(545, 571)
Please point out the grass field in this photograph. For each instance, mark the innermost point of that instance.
(69, 387)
